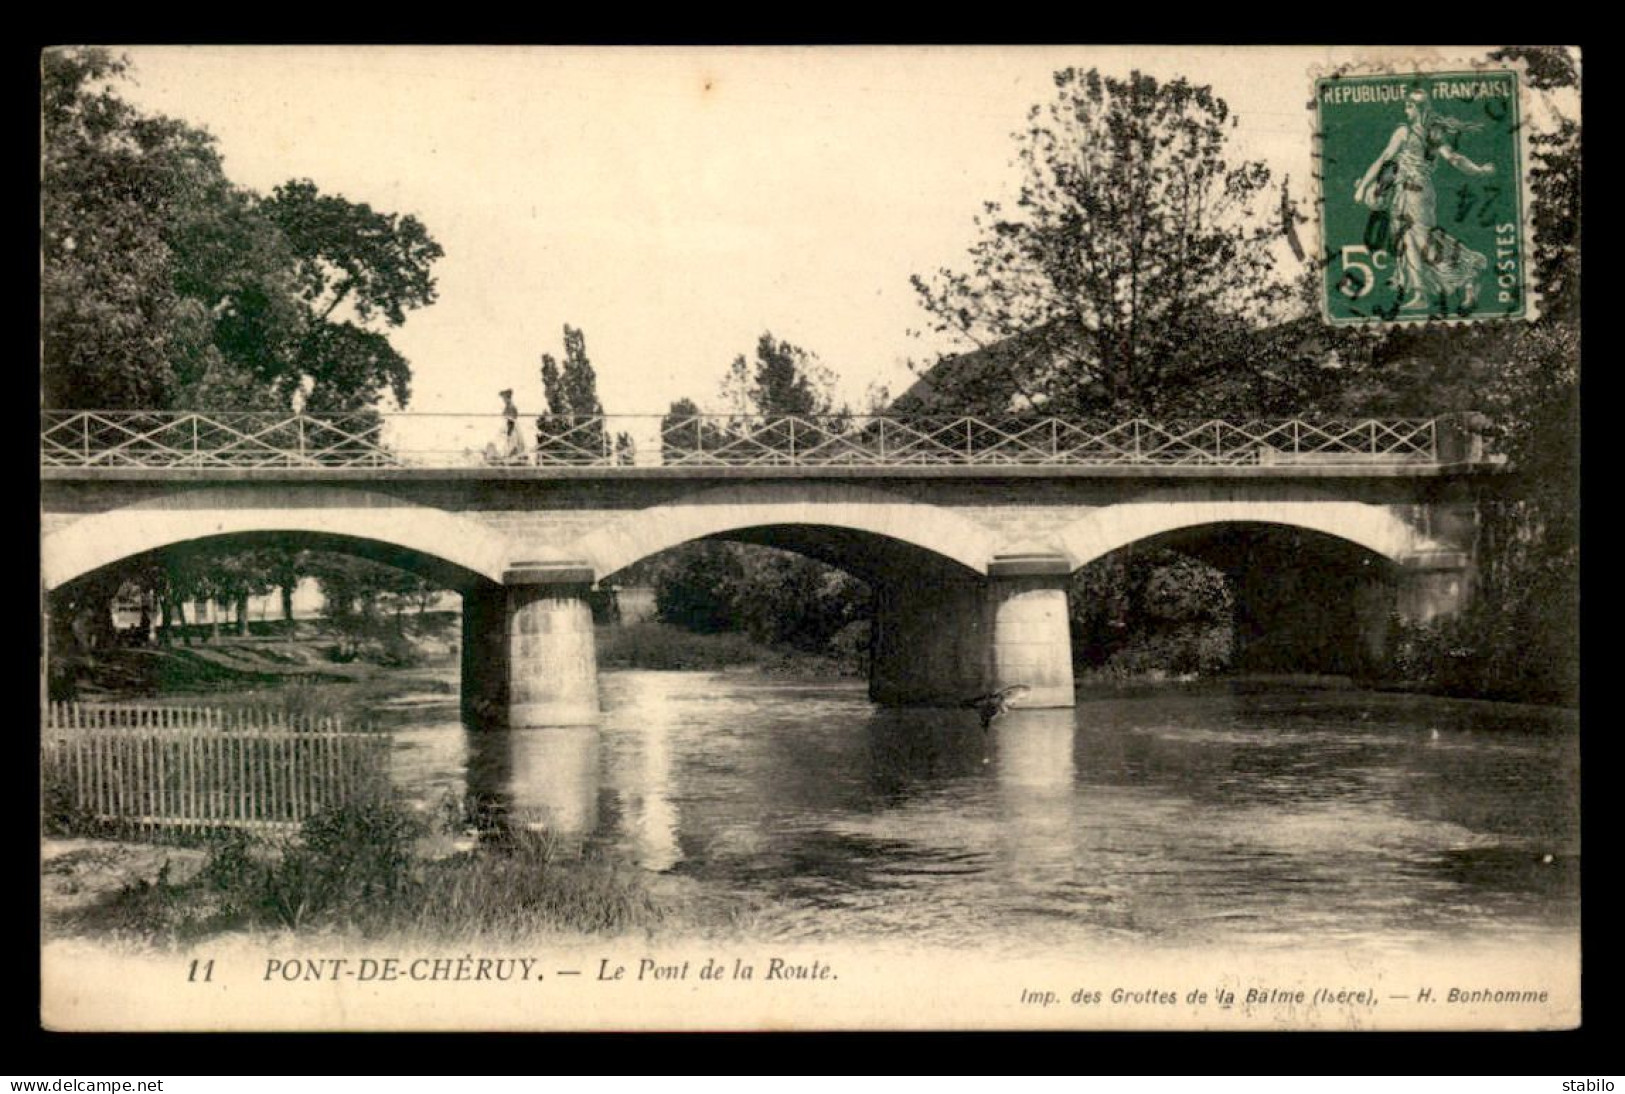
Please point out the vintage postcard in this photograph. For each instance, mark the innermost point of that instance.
(809, 538)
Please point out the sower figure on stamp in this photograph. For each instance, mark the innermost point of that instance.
(1430, 264)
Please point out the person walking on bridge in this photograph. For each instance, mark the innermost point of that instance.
(512, 449)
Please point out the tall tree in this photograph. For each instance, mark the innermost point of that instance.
(578, 380)
(573, 426)
(165, 285)
(350, 256)
(571, 391)
(122, 324)
(783, 380)
(1132, 269)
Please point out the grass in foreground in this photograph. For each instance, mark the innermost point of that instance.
(360, 871)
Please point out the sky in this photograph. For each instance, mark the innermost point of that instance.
(675, 203)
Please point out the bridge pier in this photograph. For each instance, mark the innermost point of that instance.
(1030, 639)
(552, 658)
(528, 655)
(929, 641)
(1434, 586)
(485, 653)
(943, 641)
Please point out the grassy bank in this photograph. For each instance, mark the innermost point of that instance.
(367, 871)
(313, 666)
(310, 657)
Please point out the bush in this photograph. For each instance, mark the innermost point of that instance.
(61, 813)
(850, 647)
(1443, 656)
(1147, 611)
(519, 883)
(775, 596)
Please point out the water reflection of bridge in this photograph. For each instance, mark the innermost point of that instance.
(968, 529)
(625, 788)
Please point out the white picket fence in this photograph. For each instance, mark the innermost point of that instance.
(151, 770)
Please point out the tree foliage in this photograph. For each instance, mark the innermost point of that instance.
(166, 285)
(685, 429)
(776, 597)
(574, 423)
(1151, 609)
(1523, 632)
(784, 380)
(346, 252)
(117, 189)
(1131, 271)
(358, 589)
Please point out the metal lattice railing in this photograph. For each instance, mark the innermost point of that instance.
(224, 439)
(233, 440)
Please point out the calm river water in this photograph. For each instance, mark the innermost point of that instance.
(1187, 816)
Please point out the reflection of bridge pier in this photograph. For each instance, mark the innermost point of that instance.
(1038, 806)
(642, 778)
(540, 778)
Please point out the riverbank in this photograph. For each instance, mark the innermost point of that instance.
(308, 654)
(233, 670)
(650, 644)
(299, 674)
(1104, 687)
(363, 872)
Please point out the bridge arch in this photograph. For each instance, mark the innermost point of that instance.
(1159, 512)
(712, 513)
(455, 543)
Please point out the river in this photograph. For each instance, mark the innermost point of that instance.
(1201, 815)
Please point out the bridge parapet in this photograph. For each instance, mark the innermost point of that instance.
(226, 442)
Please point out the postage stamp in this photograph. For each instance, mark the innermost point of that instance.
(1422, 196)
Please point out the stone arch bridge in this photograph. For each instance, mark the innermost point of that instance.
(969, 541)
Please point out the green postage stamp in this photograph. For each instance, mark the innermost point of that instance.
(1422, 196)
